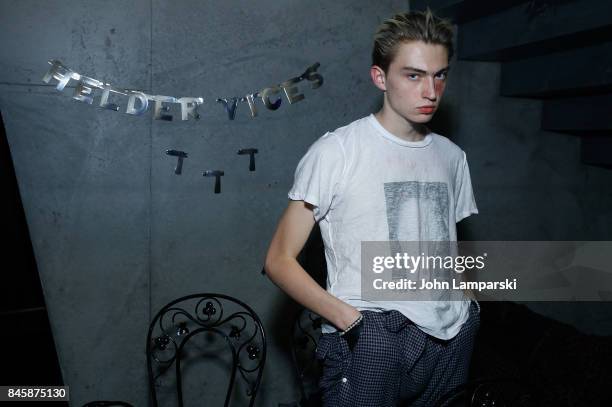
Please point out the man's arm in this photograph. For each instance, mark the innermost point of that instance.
(282, 267)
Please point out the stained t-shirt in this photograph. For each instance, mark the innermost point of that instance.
(366, 184)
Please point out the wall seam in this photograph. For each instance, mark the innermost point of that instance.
(149, 260)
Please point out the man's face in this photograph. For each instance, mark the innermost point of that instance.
(415, 80)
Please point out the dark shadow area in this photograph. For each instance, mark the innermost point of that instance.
(561, 365)
(29, 355)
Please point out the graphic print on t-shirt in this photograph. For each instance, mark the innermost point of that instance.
(417, 212)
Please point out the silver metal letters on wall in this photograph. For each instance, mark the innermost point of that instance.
(138, 101)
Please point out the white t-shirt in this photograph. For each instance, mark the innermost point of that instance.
(366, 184)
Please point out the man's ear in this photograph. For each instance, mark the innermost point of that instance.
(378, 77)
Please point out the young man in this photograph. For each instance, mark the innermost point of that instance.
(384, 177)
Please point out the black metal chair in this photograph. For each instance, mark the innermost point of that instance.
(304, 339)
(500, 392)
(201, 322)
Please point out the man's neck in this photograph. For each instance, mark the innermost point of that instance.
(400, 127)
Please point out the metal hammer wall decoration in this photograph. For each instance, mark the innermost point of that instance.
(182, 154)
(212, 173)
(251, 152)
(138, 102)
(179, 164)
(217, 174)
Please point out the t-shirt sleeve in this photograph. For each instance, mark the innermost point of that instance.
(319, 174)
(465, 204)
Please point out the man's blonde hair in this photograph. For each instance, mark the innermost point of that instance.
(411, 26)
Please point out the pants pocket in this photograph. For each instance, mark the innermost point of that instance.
(333, 352)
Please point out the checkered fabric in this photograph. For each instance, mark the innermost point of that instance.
(394, 363)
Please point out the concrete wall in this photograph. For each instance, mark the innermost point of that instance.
(117, 234)
(529, 184)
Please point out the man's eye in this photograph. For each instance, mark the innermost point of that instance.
(413, 75)
(441, 75)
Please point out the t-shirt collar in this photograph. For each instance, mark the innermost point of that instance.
(388, 135)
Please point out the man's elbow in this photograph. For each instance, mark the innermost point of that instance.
(275, 263)
(271, 264)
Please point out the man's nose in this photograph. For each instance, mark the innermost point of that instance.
(429, 91)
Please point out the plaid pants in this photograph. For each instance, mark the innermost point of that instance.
(394, 363)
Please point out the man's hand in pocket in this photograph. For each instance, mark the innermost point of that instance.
(352, 336)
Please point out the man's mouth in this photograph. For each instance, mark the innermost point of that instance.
(426, 109)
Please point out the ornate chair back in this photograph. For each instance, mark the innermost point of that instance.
(210, 324)
(304, 340)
